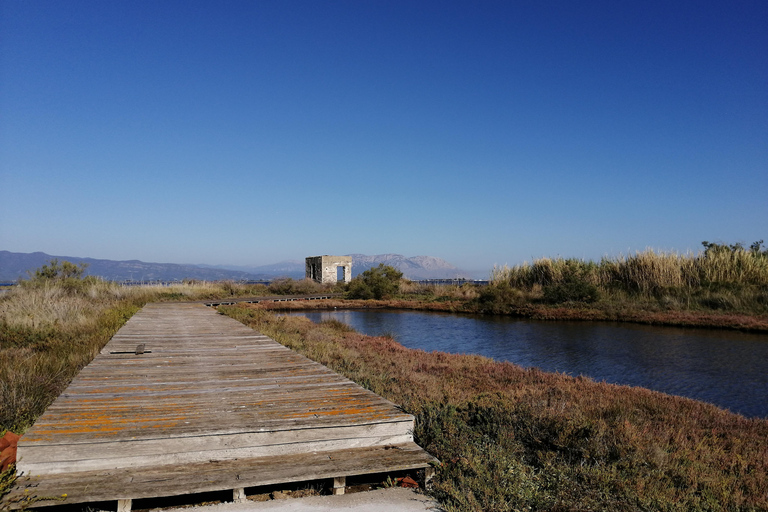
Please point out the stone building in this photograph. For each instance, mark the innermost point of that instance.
(325, 269)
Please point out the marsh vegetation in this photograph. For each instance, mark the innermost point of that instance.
(721, 277)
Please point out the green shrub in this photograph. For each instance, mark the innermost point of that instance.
(53, 270)
(288, 286)
(572, 290)
(498, 298)
(380, 282)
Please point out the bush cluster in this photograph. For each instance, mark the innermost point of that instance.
(571, 290)
(382, 282)
(288, 286)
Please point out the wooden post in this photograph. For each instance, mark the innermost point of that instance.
(339, 483)
(238, 495)
(123, 505)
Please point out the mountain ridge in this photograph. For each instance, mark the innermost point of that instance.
(14, 266)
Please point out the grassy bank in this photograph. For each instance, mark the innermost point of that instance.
(515, 439)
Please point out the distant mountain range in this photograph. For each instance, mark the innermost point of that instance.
(14, 265)
(416, 267)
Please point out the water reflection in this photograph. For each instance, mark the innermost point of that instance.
(729, 369)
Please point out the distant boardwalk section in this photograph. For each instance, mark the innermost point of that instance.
(184, 400)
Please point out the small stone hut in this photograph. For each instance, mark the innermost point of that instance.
(325, 269)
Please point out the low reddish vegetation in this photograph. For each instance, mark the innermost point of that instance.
(512, 438)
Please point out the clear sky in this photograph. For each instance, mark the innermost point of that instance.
(481, 132)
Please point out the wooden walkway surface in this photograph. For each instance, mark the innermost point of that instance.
(184, 400)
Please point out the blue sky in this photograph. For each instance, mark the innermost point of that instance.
(250, 132)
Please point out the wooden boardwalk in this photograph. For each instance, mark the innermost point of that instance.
(184, 400)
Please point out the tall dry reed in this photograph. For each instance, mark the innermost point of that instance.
(646, 271)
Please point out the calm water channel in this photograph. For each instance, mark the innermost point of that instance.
(728, 369)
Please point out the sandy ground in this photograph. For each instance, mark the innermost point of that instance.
(382, 500)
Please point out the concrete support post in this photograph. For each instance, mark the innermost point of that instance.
(238, 495)
(339, 484)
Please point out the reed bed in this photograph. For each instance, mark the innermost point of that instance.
(516, 439)
(725, 278)
(644, 271)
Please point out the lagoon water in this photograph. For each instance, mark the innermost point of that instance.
(728, 369)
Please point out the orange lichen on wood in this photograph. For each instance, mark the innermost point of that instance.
(8, 445)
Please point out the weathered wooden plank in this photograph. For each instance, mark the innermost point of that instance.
(128, 453)
(291, 376)
(146, 482)
(240, 410)
(236, 410)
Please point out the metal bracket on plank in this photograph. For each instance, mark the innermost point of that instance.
(139, 350)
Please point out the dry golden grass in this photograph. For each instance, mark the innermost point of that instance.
(48, 332)
(44, 306)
